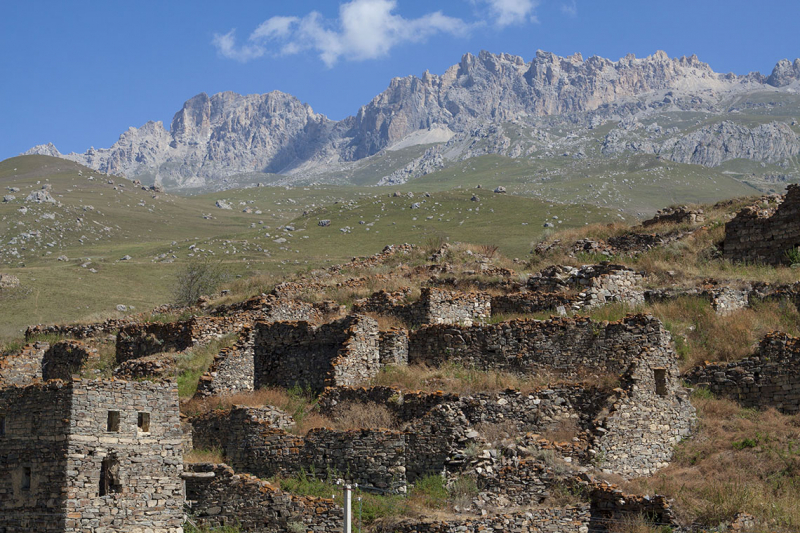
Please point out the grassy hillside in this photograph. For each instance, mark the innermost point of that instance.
(94, 224)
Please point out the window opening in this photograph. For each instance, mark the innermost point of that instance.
(143, 421)
(2, 426)
(660, 375)
(26, 478)
(110, 482)
(113, 421)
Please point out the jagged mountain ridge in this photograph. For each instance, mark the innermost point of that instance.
(227, 134)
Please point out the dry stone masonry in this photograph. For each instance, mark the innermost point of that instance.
(770, 378)
(91, 456)
(758, 235)
(220, 497)
(342, 352)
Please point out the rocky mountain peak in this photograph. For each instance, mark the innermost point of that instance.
(784, 73)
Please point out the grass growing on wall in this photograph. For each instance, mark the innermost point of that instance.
(195, 362)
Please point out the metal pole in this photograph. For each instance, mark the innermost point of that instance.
(348, 509)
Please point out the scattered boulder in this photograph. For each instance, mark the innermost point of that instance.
(40, 197)
(9, 198)
(324, 223)
(125, 258)
(63, 258)
(222, 204)
(7, 281)
(500, 189)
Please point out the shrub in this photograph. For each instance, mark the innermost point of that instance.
(197, 278)
(793, 255)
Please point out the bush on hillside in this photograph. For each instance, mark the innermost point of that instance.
(197, 278)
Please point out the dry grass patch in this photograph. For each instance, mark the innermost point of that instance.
(498, 431)
(566, 430)
(359, 415)
(213, 455)
(387, 322)
(739, 460)
(458, 379)
(702, 335)
(298, 403)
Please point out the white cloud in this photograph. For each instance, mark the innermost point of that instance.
(508, 12)
(571, 9)
(273, 28)
(365, 29)
(226, 46)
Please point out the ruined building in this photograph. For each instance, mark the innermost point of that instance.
(90, 455)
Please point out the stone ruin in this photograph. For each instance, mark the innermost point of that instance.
(769, 378)
(435, 306)
(765, 235)
(299, 354)
(676, 215)
(89, 455)
(628, 428)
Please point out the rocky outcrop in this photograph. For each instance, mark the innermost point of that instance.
(784, 73)
(714, 144)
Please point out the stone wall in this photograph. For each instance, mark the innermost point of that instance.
(220, 497)
(224, 428)
(140, 340)
(611, 507)
(521, 303)
(435, 306)
(149, 463)
(676, 215)
(79, 331)
(540, 410)
(592, 285)
(445, 307)
(36, 424)
(82, 456)
(342, 352)
(631, 430)
(544, 520)
(23, 368)
(253, 442)
(756, 235)
(232, 370)
(394, 347)
(65, 358)
(561, 344)
(770, 378)
(525, 482)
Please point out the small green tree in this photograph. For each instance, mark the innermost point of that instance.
(199, 277)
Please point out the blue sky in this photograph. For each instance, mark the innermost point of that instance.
(79, 73)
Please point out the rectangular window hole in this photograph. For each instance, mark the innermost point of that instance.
(143, 421)
(26, 478)
(660, 376)
(2, 426)
(110, 482)
(113, 421)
